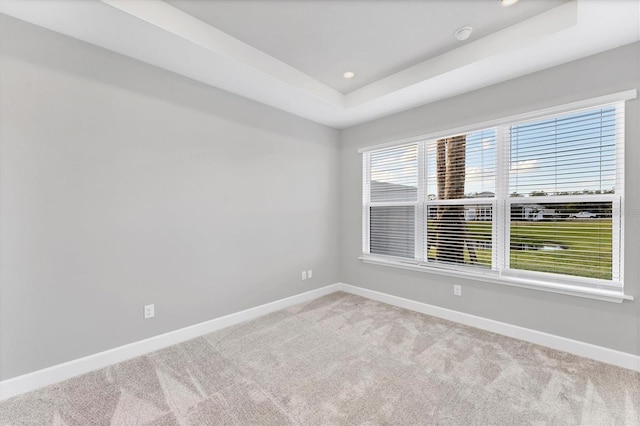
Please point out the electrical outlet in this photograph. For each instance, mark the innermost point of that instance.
(309, 273)
(149, 311)
(304, 275)
(457, 290)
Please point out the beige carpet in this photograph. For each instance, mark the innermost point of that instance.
(341, 359)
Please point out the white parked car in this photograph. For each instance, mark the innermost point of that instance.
(583, 215)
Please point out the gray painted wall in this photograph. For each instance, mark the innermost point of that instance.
(123, 185)
(607, 324)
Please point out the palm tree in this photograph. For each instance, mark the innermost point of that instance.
(451, 229)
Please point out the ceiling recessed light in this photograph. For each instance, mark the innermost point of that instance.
(463, 33)
(506, 3)
(349, 74)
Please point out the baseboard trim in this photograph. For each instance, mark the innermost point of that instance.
(57, 373)
(586, 350)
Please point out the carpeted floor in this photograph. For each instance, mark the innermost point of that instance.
(341, 359)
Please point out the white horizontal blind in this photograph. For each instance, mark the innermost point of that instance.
(461, 175)
(565, 177)
(570, 238)
(571, 154)
(460, 234)
(392, 187)
(540, 199)
(477, 164)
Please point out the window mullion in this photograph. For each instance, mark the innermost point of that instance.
(617, 248)
(366, 202)
(420, 230)
(501, 208)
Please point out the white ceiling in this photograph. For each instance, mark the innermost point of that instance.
(374, 38)
(291, 54)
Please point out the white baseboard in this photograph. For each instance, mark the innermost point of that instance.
(586, 350)
(57, 373)
(67, 370)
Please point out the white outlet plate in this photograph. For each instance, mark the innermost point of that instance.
(149, 311)
(304, 275)
(309, 273)
(457, 290)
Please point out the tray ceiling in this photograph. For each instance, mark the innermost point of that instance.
(291, 54)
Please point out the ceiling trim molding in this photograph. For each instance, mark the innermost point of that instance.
(185, 26)
(157, 33)
(515, 37)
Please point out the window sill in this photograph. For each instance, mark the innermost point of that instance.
(495, 278)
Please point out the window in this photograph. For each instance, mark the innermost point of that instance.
(390, 200)
(536, 199)
(460, 184)
(564, 186)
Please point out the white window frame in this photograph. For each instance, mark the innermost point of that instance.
(367, 204)
(608, 290)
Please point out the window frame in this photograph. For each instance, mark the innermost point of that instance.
(367, 204)
(610, 290)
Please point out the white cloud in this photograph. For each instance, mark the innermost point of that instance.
(473, 170)
(405, 176)
(523, 166)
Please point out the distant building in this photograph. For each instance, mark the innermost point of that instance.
(481, 212)
(386, 191)
(533, 212)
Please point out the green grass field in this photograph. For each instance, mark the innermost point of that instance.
(573, 247)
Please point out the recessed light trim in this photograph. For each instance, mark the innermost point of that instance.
(506, 3)
(463, 33)
(349, 74)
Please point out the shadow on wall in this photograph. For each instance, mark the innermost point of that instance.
(92, 62)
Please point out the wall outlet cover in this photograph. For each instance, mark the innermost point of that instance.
(149, 311)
